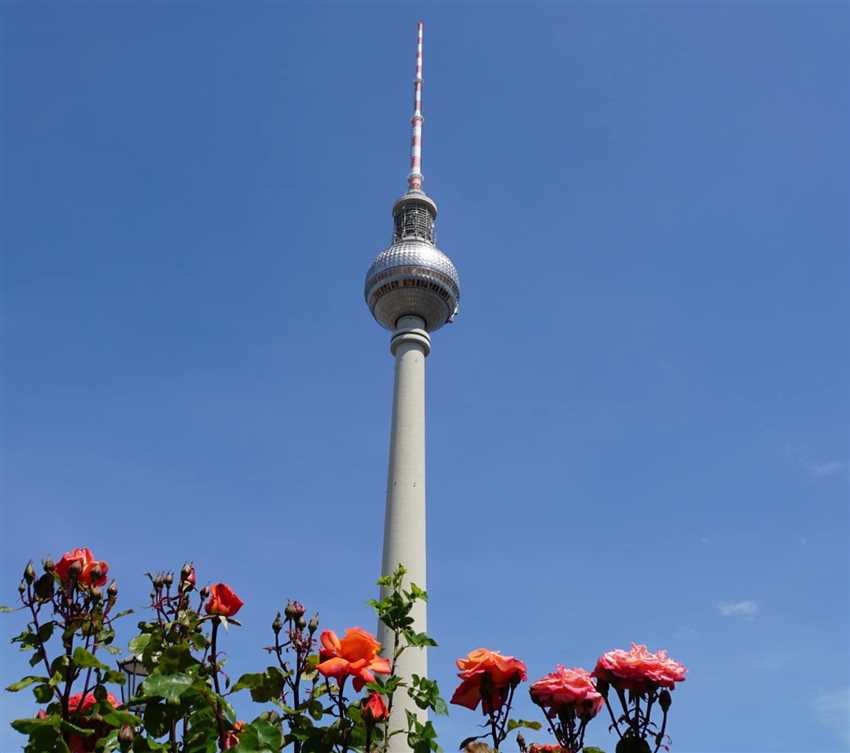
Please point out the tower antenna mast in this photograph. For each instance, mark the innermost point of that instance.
(414, 179)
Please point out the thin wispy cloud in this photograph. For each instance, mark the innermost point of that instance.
(746, 609)
(833, 712)
(815, 468)
(826, 469)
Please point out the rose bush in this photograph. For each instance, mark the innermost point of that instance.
(179, 699)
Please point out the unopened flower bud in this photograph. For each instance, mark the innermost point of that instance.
(664, 700)
(48, 565)
(301, 623)
(204, 593)
(96, 594)
(126, 736)
(75, 570)
(112, 591)
(29, 573)
(294, 610)
(96, 574)
(158, 582)
(22, 587)
(169, 579)
(187, 574)
(313, 625)
(277, 624)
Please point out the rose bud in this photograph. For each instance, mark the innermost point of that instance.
(277, 624)
(158, 582)
(96, 574)
(48, 565)
(126, 735)
(664, 700)
(301, 623)
(313, 625)
(293, 610)
(44, 587)
(204, 593)
(22, 587)
(29, 573)
(112, 591)
(169, 579)
(187, 574)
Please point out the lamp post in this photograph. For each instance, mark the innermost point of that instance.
(133, 668)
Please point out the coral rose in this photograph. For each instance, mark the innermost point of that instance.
(540, 748)
(88, 570)
(375, 708)
(565, 688)
(487, 676)
(639, 669)
(355, 655)
(223, 601)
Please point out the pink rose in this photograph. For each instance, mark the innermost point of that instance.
(568, 687)
(639, 669)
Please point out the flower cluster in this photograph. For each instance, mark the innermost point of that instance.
(177, 697)
(571, 697)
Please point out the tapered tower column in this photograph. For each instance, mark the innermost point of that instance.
(412, 289)
(404, 520)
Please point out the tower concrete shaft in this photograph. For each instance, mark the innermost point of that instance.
(404, 520)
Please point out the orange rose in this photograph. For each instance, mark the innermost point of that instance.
(223, 601)
(89, 571)
(639, 669)
(355, 655)
(374, 707)
(487, 676)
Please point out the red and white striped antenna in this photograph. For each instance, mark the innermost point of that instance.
(414, 179)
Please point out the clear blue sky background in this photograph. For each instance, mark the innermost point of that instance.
(638, 424)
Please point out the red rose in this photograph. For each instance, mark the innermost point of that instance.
(79, 705)
(223, 601)
(639, 669)
(88, 570)
(355, 655)
(487, 676)
(375, 708)
(540, 748)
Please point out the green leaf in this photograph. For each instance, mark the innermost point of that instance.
(259, 736)
(9, 609)
(43, 693)
(83, 658)
(138, 644)
(25, 682)
(169, 687)
(522, 724)
(591, 749)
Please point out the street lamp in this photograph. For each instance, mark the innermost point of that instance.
(133, 668)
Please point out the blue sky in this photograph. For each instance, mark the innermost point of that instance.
(638, 424)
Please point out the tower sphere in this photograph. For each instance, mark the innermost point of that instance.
(412, 277)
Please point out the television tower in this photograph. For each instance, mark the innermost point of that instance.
(412, 289)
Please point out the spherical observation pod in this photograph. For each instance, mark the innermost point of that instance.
(412, 278)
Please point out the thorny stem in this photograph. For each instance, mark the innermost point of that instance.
(41, 647)
(660, 738)
(611, 712)
(214, 663)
